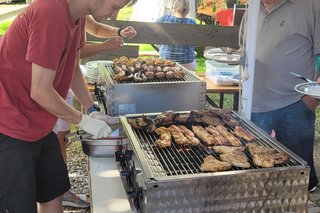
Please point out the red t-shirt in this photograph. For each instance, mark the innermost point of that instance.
(45, 35)
(224, 17)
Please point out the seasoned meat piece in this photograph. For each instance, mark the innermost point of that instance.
(160, 75)
(169, 74)
(234, 141)
(192, 140)
(165, 137)
(238, 159)
(266, 157)
(211, 164)
(258, 149)
(149, 74)
(182, 118)
(166, 118)
(178, 136)
(178, 74)
(142, 123)
(242, 133)
(225, 115)
(133, 123)
(218, 138)
(203, 134)
(205, 116)
(165, 69)
(228, 149)
(119, 75)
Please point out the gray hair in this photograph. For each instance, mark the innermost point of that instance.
(181, 6)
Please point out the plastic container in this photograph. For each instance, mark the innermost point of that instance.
(222, 73)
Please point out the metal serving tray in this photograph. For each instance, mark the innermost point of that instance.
(154, 95)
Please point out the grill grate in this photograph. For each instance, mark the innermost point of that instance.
(175, 160)
(187, 78)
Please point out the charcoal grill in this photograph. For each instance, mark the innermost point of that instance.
(156, 95)
(170, 180)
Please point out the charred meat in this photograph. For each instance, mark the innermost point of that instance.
(242, 133)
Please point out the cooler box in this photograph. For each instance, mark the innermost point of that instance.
(222, 73)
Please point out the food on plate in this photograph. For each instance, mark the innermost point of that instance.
(211, 164)
(165, 137)
(242, 133)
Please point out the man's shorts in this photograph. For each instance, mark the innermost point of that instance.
(30, 172)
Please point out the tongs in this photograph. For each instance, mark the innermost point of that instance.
(302, 77)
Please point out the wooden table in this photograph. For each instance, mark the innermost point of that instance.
(221, 90)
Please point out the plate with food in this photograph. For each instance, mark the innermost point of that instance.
(311, 89)
(232, 59)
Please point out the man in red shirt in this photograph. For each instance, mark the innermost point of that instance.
(38, 64)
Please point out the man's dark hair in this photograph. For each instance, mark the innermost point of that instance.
(230, 3)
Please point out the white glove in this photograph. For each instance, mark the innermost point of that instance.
(103, 117)
(97, 128)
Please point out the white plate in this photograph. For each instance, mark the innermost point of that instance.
(226, 58)
(94, 64)
(311, 89)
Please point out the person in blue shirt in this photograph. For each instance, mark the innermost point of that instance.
(183, 54)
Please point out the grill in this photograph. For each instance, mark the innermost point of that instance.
(171, 179)
(153, 95)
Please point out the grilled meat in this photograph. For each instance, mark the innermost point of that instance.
(166, 118)
(242, 133)
(225, 115)
(165, 137)
(228, 149)
(192, 140)
(211, 164)
(233, 155)
(258, 149)
(178, 136)
(233, 140)
(142, 122)
(183, 118)
(218, 138)
(205, 116)
(238, 159)
(266, 157)
(203, 134)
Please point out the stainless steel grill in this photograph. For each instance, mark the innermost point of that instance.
(156, 95)
(171, 180)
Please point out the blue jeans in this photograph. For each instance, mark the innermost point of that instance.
(294, 127)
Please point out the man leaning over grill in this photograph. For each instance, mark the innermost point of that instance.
(62, 127)
(38, 64)
(292, 47)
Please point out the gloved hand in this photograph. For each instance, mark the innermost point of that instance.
(103, 117)
(97, 128)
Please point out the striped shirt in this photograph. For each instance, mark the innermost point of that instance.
(182, 54)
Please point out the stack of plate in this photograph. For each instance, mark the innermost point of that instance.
(93, 74)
